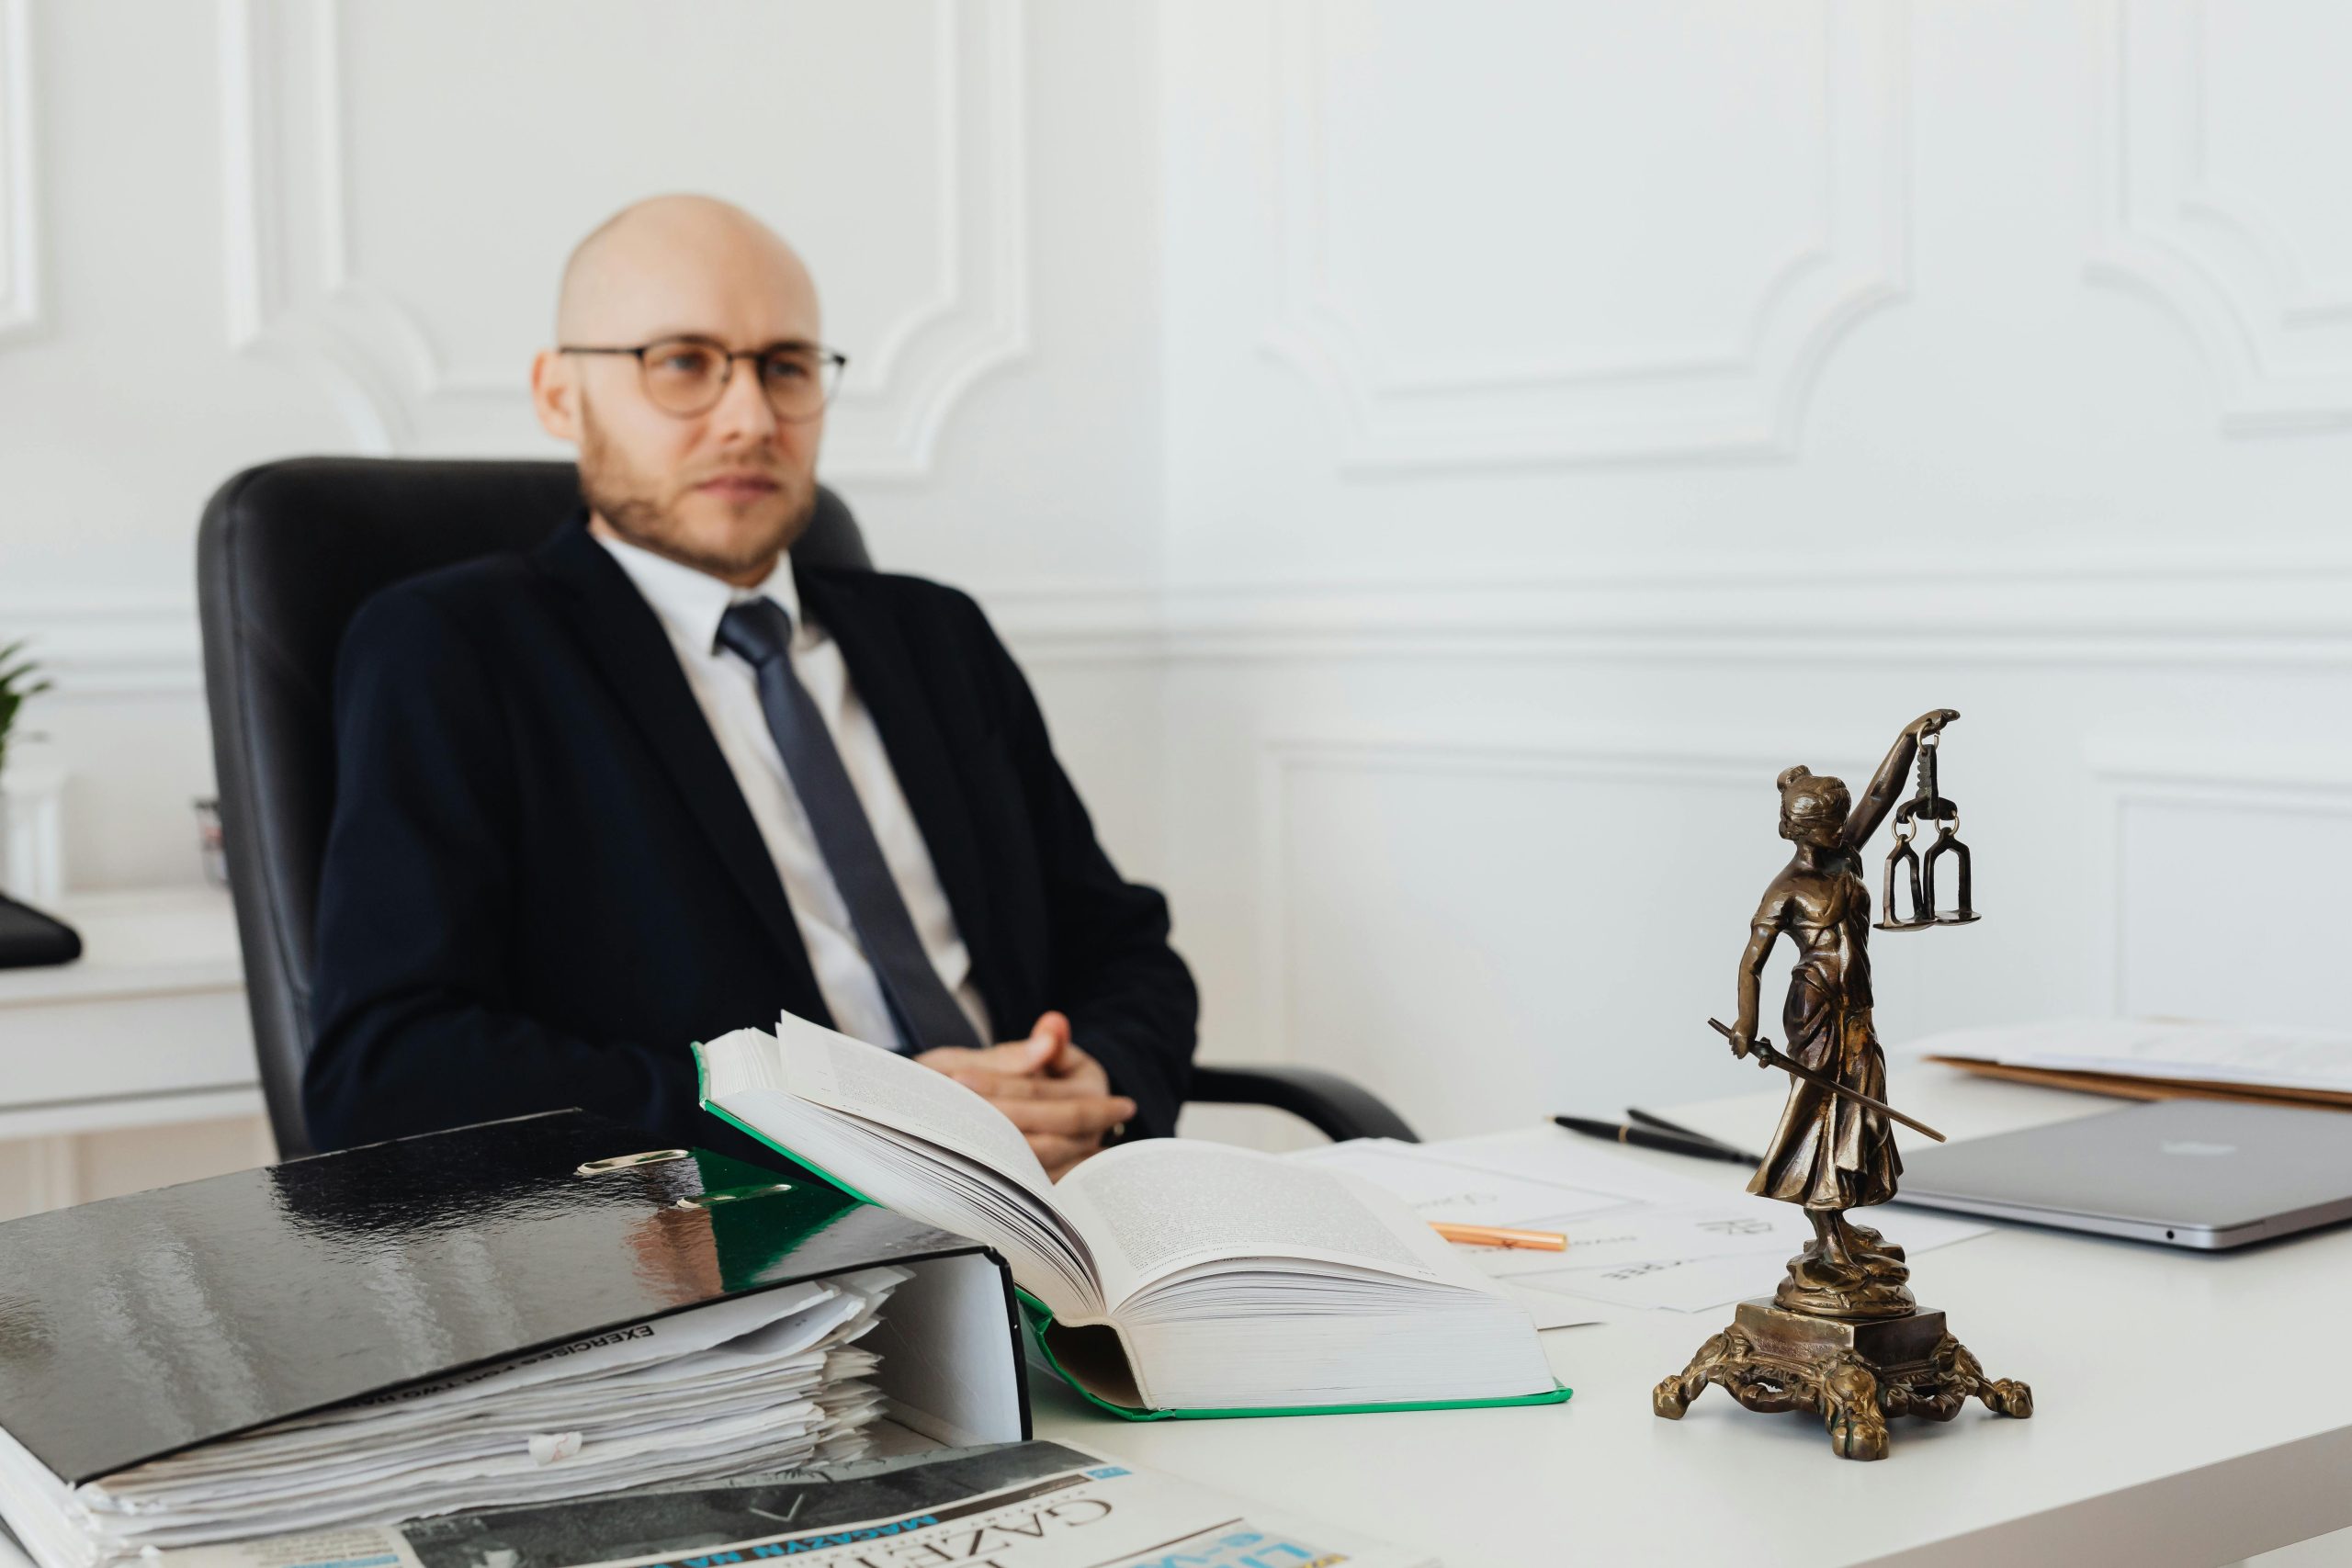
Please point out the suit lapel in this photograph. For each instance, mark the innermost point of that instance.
(624, 639)
(885, 680)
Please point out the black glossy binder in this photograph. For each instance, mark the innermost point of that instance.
(137, 1327)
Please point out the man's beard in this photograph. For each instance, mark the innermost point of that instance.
(633, 510)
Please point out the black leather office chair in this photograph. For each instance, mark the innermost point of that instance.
(287, 553)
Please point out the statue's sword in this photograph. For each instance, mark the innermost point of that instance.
(1761, 1049)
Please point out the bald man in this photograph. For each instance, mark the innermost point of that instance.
(655, 781)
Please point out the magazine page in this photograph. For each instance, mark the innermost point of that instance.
(1035, 1504)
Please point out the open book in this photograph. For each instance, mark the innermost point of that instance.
(1161, 1277)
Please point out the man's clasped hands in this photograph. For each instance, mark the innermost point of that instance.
(1058, 1095)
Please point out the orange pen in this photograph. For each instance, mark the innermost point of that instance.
(1498, 1235)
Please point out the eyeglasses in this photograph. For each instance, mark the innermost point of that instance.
(687, 376)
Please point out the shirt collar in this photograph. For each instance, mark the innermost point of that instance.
(690, 603)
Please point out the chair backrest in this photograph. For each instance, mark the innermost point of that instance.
(287, 553)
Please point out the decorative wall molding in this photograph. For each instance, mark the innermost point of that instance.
(2277, 338)
(294, 290)
(20, 271)
(2096, 606)
(2289, 609)
(2294, 609)
(1745, 399)
(1282, 761)
(2296, 780)
(1640, 759)
(119, 645)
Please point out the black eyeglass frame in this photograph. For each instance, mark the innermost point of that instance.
(832, 358)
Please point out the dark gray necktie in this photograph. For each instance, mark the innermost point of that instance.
(759, 631)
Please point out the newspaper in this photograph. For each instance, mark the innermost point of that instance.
(1035, 1504)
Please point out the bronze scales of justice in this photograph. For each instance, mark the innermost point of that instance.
(1843, 1336)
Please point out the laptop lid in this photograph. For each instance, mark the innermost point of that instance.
(2197, 1173)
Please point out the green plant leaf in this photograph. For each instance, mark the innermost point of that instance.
(18, 683)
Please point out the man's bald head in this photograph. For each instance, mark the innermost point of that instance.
(635, 260)
(726, 489)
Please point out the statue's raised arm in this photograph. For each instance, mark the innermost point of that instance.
(1887, 783)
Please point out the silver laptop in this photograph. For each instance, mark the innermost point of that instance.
(2201, 1173)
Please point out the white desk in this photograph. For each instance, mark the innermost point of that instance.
(148, 1027)
(2187, 1410)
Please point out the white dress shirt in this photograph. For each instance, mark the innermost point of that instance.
(689, 604)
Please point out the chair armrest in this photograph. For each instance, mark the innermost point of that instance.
(1330, 1104)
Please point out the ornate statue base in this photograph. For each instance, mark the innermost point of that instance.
(1842, 1337)
(1853, 1373)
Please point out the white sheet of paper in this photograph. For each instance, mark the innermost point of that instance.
(1553, 1156)
(1703, 1284)
(1731, 1224)
(1440, 1189)
(1918, 1230)
(1638, 1237)
(1550, 1308)
(2290, 1058)
(1669, 1285)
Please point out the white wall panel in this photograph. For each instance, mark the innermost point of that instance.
(2223, 130)
(2220, 880)
(1435, 900)
(2002, 410)
(1507, 507)
(1385, 431)
(344, 124)
(20, 254)
(1494, 931)
(2203, 931)
(1443, 173)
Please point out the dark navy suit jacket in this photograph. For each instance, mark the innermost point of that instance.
(542, 883)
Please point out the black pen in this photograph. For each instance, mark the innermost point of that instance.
(1653, 1119)
(1646, 1138)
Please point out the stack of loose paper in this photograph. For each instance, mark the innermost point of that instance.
(2159, 1059)
(758, 1382)
(1639, 1236)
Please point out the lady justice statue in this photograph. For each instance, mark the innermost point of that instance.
(1842, 1336)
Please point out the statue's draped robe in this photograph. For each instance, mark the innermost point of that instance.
(1830, 1152)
